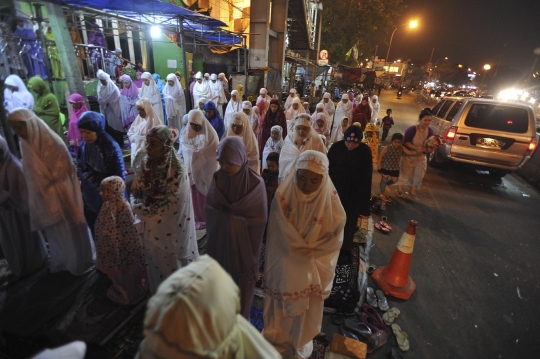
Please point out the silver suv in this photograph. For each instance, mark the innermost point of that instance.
(495, 135)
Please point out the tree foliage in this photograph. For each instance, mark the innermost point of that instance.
(362, 22)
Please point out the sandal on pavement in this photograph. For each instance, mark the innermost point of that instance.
(391, 315)
(377, 340)
(381, 227)
(386, 198)
(370, 297)
(399, 194)
(413, 196)
(372, 323)
(382, 301)
(401, 338)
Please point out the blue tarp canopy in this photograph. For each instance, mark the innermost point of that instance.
(209, 33)
(144, 7)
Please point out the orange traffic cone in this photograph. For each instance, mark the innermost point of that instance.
(394, 279)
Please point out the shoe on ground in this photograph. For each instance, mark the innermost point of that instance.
(391, 315)
(401, 338)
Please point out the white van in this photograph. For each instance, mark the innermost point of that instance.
(493, 135)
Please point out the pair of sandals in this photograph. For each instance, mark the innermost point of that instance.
(385, 198)
(383, 226)
(376, 299)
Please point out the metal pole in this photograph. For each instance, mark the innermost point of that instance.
(184, 59)
(390, 44)
(319, 40)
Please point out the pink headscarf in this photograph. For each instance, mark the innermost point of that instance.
(74, 136)
(132, 91)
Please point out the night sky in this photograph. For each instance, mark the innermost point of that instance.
(469, 32)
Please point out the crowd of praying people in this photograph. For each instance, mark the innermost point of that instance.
(246, 173)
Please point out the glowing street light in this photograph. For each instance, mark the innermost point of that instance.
(412, 25)
(487, 67)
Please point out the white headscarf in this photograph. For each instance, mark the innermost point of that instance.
(292, 149)
(272, 145)
(110, 92)
(218, 95)
(152, 93)
(343, 109)
(291, 113)
(248, 137)
(329, 106)
(140, 127)
(337, 134)
(109, 101)
(375, 108)
(232, 107)
(305, 234)
(184, 320)
(288, 102)
(201, 90)
(175, 102)
(54, 191)
(20, 98)
(199, 150)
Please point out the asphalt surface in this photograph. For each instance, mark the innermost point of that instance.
(475, 260)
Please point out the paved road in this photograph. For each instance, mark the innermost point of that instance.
(475, 260)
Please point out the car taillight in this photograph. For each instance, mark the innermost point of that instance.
(532, 145)
(451, 134)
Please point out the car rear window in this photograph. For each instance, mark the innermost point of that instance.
(445, 108)
(452, 113)
(498, 118)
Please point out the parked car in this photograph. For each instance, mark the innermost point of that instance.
(490, 134)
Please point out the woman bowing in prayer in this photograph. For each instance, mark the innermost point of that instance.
(175, 101)
(150, 91)
(236, 213)
(145, 121)
(329, 106)
(99, 157)
(234, 105)
(129, 95)
(109, 104)
(273, 144)
(203, 302)
(78, 107)
(339, 133)
(240, 127)
(46, 106)
(351, 170)
(305, 232)
(56, 205)
(199, 145)
(16, 95)
(362, 112)
(249, 110)
(119, 252)
(212, 115)
(263, 101)
(343, 108)
(302, 138)
(162, 205)
(25, 250)
(274, 117)
(201, 89)
(290, 98)
(293, 111)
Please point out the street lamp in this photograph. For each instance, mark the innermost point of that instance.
(412, 25)
(487, 67)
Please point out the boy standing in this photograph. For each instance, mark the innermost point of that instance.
(387, 123)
